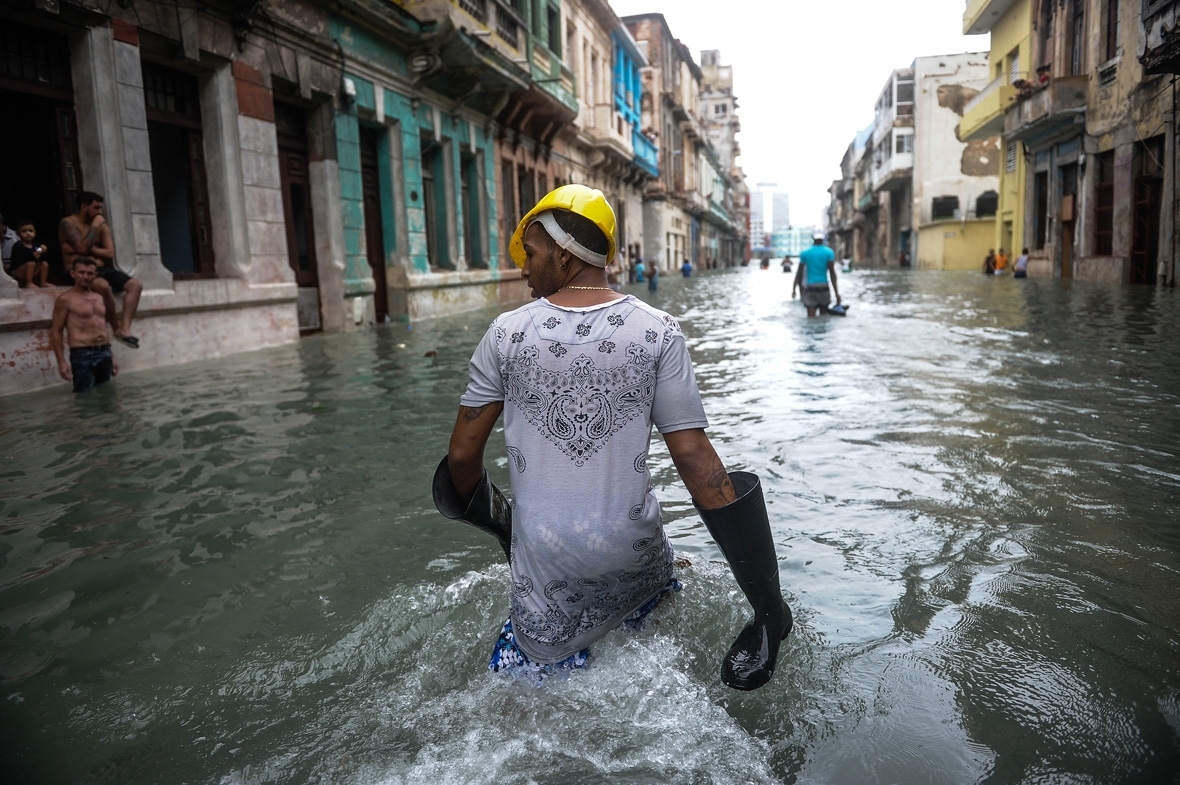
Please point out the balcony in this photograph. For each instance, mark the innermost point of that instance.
(607, 129)
(894, 173)
(1053, 112)
(477, 8)
(983, 116)
(646, 154)
(981, 15)
(508, 25)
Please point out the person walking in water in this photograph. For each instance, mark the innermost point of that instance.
(581, 376)
(80, 312)
(816, 265)
(1020, 270)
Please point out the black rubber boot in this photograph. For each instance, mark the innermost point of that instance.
(488, 509)
(742, 530)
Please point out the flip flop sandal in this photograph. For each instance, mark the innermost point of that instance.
(127, 340)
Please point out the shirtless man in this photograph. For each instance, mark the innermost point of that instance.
(87, 233)
(81, 312)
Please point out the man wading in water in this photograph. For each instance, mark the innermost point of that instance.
(581, 376)
(81, 313)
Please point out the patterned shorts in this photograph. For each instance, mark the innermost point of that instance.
(507, 656)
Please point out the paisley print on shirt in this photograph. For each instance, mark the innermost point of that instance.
(580, 408)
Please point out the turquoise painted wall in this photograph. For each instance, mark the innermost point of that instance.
(415, 124)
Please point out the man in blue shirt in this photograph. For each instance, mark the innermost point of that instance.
(817, 263)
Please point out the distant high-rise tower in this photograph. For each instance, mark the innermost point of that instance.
(757, 218)
(781, 212)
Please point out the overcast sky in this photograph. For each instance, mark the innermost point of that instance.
(807, 74)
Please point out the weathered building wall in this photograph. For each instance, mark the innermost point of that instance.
(955, 245)
(1125, 116)
(1010, 59)
(944, 166)
(243, 294)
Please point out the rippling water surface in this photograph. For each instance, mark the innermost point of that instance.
(232, 572)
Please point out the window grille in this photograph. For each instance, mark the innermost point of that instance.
(1104, 205)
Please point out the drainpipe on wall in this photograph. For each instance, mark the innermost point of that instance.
(1171, 277)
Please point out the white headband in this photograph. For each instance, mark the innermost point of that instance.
(563, 239)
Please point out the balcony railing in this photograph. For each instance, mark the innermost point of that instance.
(477, 8)
(983, 115)
(508, 26)
(646, 153)
(980, 15)
(1058, 105)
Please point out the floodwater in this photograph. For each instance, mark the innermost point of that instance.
(232, 572)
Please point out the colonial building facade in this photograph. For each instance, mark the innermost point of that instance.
(690, 213)
(272, 169)
(1080, 93)
(176, 119)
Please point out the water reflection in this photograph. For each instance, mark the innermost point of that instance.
(233, 569)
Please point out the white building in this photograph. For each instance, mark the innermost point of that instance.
(955, 184)
(922, 178)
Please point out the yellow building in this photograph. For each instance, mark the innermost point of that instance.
(1009, 59)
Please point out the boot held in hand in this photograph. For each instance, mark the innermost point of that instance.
(741, 530)
(488, 509)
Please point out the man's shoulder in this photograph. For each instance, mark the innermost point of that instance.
(662, 319)
(68, 297)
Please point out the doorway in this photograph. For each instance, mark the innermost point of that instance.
(291, 129)
(431, 176)
(1069, 190)
(374, 234)
(1146, 205)
(171, 100)
(41, 183)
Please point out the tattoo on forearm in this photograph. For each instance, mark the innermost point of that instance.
(719, 479)
(472, 414)
(71, 234)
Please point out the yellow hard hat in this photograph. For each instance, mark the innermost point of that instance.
(587, 202)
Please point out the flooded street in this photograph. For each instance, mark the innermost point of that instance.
(232, 571)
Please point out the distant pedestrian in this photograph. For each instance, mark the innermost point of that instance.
(818, 264)
(614, 272)
(1001, 262)
(653, 277)
(80, 312)
(640, 270)
(1020, 270)
(989, 262)
(686, 269)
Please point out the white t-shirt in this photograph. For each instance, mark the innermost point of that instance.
(582, 388)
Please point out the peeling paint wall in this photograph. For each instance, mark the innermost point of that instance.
(943, 165)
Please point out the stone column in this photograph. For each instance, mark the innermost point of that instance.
(113, 145)
(258, 153)
(453, 202)
(223, 171)
(328, 212)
